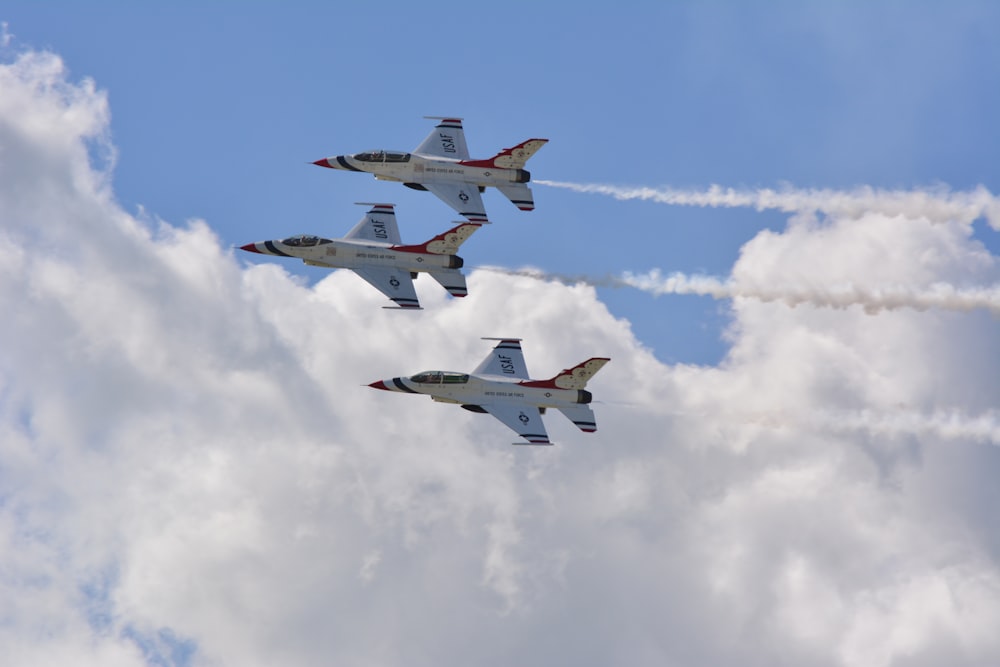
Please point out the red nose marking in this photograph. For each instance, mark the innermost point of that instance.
(250, 247)
(379, 385)
(323, 163)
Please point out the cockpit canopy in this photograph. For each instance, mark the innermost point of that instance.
(440, 377)
(382, 156)
(304, 241)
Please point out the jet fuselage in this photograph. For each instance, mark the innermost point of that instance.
(350, 254)
(416, 168)
(473, 390)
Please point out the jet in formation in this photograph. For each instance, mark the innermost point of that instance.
(500, 386)
(441, 164)
(374, 251)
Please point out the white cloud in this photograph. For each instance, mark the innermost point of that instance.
(191, 470)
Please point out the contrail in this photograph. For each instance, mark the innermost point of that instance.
(936, 205)
(872, 300)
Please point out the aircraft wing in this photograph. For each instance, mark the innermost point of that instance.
(394, 283)
(378, 224)
(463, 197)
(506, 359)
(447, 139)
(525, 420)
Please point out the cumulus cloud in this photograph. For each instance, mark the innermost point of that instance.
(192, 473)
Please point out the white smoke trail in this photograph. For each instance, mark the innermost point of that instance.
(936, 204)
(943, 424)
(872, 300)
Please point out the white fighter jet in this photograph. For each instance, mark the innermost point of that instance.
(441, 164)
(500, 386)
(373, 250)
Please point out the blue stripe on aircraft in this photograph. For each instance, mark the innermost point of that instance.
(401, 386)
(344, 163)
(270, 246)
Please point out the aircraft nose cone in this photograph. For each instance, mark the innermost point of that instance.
(250, 247)
(324, 163)
(379, 385)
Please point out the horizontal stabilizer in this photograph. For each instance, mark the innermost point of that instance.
(452, 280)
(519, 194)
(582, 416)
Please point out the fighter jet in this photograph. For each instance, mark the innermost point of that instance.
(373, 250)
(500, 386)
(441, 164)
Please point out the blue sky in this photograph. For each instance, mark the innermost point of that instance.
(218, 109)
(801, 470)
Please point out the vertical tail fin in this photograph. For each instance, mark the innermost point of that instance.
(576, 377)
(446, 243)
(511, 158)
(516, 157)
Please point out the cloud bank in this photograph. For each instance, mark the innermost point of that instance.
(191, 472)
